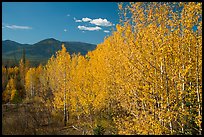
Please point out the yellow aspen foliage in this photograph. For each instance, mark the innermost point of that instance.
(144, 79)
(15, 98)
(10, 90)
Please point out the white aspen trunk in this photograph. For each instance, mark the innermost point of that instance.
(183, 84)
(181, 80)
(65, 99)
(155, 83)
(177, 99)
(197, 86)
(162, 123)
(189, 51)
(65, 118)
(183, 89)
(143, 106)
(190, 83)
(167, 92)
(182, 130)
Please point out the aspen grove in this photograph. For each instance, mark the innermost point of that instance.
(145, 78)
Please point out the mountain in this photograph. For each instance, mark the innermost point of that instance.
(41, 51)
(9, 45)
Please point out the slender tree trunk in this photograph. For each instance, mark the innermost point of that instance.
(190, 82)
(155, 82)
(182, 130)
(65, 99)
(197, 86)
(177, 101)
(161, 87)
(65, 114)
(182, 96)
(167, 92)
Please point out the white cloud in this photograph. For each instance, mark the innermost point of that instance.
(89, 28)
(86, 19)
(83, 19)
(101, 22)
(65, 30)
(98, 22)
(18, 27)
(68, 15)
(106, 31)
(77, 20)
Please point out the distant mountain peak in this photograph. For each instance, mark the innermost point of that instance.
(52, 39)
(10, 41)
(48, 41)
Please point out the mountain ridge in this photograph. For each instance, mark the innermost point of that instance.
(40, 52)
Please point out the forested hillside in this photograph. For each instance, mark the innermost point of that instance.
(144, 79)
(39, 52)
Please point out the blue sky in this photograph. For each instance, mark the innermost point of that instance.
(30, 22)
